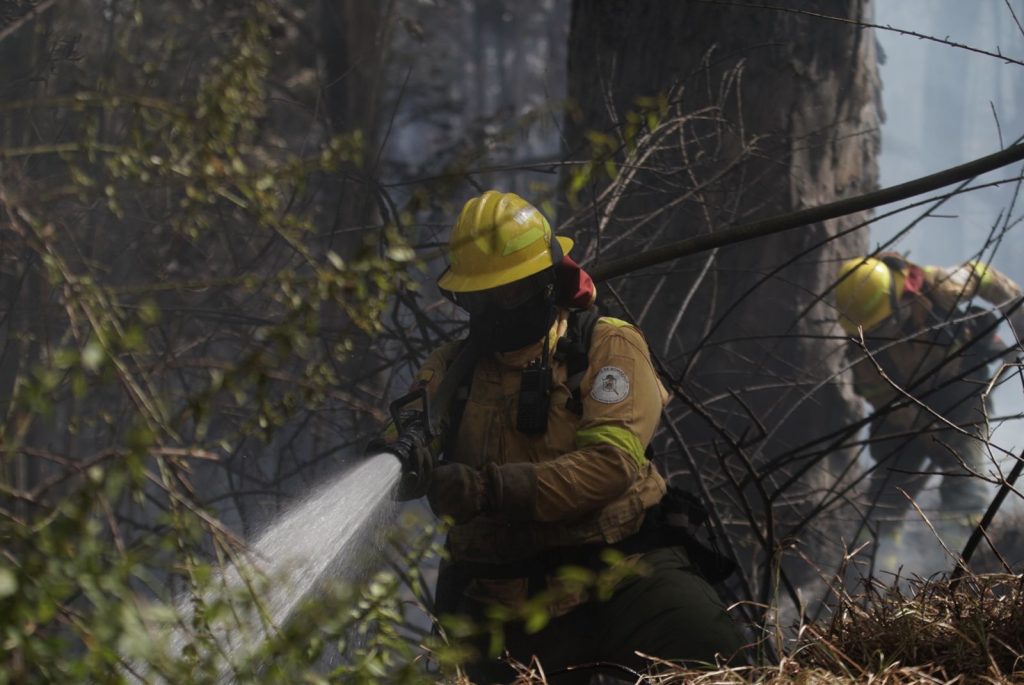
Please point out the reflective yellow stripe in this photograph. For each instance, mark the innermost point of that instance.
(523, 240)
(616, 436)
(612, 321)
(981, 271)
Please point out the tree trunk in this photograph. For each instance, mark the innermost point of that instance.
(716, 114)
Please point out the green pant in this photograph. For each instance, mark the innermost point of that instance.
(671, 613)
(905, 462)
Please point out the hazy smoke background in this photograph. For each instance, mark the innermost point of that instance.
(945, 106)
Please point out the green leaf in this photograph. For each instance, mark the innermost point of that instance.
(65, 358)
(134, 339)
(610, 169)
(576, 574)
(336, 261)
(600, 140)
(8, 582)
(79, 386)
(536, 621)
(149, 312)
(93, 355)
(580, 178)
(401, 253)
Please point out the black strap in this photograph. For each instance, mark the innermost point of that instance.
(458, 373)
(574, 349)
(455, 412)
(556, 250)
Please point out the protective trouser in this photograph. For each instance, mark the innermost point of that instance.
(906, 461)
(670, 612)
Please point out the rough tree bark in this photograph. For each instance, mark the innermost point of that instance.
(764, 111)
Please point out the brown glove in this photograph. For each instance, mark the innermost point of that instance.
(511, 490)
(456, 490)
(462, 492)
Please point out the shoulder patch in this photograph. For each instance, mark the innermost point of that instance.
(611, 385)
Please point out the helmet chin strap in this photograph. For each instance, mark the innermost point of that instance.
(535, 380)
(556, 250)
(894, 302)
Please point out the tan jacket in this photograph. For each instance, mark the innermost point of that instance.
(594, 482)
(919, 348)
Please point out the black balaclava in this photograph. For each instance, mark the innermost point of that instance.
(505, 330)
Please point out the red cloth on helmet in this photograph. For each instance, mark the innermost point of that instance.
(913, 279)
(913, 275)
(575, 287)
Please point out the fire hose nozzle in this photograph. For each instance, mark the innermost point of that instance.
(419, 426)
(412, 448)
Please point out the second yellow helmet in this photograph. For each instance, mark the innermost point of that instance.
(499, 238)
(865, 294)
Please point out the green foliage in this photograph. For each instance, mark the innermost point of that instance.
(173, 298)
(74, 609)
(631, 143)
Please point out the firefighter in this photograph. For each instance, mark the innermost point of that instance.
(544, 465)
(924, 367)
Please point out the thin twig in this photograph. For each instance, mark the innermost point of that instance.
(12, 27)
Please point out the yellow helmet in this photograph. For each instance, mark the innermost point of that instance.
(866, 292)
(498, 239)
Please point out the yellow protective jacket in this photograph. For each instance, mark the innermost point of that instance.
(919, 348)
(594, 482)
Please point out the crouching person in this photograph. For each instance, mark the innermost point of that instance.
(544, 462)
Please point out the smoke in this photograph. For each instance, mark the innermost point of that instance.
(944, 106)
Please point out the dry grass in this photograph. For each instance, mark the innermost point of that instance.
(974, 630)
(936, 632)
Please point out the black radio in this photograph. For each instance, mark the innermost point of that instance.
(534, 398)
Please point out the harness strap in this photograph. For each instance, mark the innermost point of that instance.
(455, 412)
(574, 349)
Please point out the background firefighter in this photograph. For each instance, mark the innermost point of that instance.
(921, 329)
(545, 466)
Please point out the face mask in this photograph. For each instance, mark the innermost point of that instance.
(504, 330)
